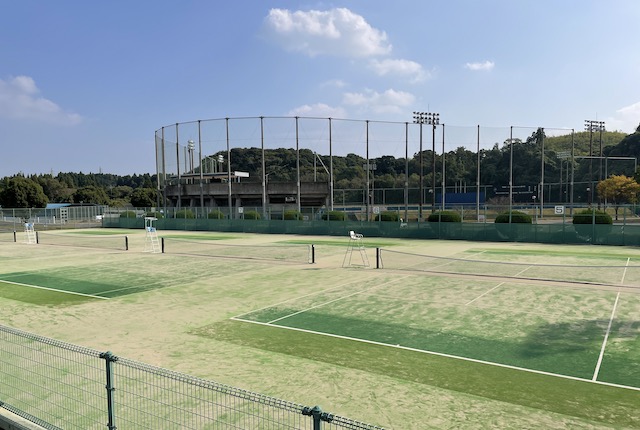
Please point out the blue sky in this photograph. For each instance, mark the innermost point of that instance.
(84, 85)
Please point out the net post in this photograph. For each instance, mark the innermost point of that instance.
(377, 257)
(162, 244)
(15, 236)
(126, 243)
(37, 238)
(313, 253)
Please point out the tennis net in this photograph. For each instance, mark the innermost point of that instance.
(295, 253)
(116, 242)
(619, 272)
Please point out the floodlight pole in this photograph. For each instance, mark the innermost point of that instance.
(432, 119)
(591, 125)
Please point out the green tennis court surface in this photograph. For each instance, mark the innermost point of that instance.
(547, 328)
(555, 328)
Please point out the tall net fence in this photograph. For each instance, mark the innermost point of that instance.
(63, 386)
(404, 167)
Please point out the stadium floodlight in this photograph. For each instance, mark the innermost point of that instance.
(433, 119)
(191, 146)
(591, 125)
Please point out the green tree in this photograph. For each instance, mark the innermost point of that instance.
(143, 197)
(21, 192)
(91, 194)
(618, 189)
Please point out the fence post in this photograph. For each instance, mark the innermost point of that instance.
(109, 358)
(318, 416)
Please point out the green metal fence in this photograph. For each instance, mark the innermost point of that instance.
(561, 233)
(58, 385)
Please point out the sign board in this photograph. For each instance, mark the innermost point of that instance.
(376, 210)
(240, 210)
(559, 210)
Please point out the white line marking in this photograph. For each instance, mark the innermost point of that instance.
(440, 354)
(53, 289)
(522, 271)
(299, 297)
(335, 300)
(486, 292)
(625, 271)
(606, 336)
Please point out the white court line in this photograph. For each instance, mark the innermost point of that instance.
(606, 336)
(440, 354)
(522, 271)
(486, 292)
(625, 271)
(53, 289)
(300, 297)
(335, 300)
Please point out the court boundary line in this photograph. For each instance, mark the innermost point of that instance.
(301, 297)
(53, 289)
(486, 292)
(335, 300)
(441, 354)
(606, 337)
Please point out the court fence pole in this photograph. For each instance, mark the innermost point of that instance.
(109, 358)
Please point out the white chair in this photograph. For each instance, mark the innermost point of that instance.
(355, 239)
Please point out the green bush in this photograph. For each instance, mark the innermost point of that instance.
(388, 216)
(252, 215)
(587, 216)
(185, 213)
(444, 216)
(292, 215)
(517, 217)
(334, 216)
(215, 214)
(128, 214)
(155, 214)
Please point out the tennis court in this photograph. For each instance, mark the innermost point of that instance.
(559, 329)
(572, 313)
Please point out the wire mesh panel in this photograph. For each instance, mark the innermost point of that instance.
(151, 397)
(62, 384)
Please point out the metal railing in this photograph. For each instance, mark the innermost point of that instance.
(60, 385)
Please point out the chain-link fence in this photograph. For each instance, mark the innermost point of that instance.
(58, 385)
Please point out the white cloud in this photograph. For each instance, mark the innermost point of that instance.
(410, 69)
(484, 66)
(19, 99)
(626, 119)
(390, 101)
(337, 32)
(336, 83)
(319, 110)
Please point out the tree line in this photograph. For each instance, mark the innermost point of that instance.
(349, 171)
